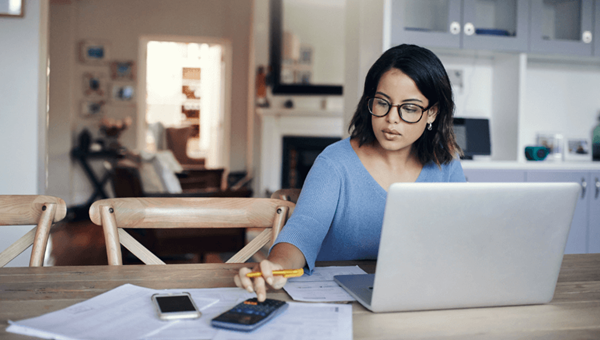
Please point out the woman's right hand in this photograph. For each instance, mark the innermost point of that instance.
(258, 284)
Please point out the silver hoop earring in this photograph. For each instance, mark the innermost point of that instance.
(430, 126)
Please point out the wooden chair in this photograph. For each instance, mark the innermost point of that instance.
(287, 195)
(153, 212)
(177, 139)
(30, 210)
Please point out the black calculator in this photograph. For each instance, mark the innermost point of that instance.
(249, 315)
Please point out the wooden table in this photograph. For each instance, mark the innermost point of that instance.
(574, 313)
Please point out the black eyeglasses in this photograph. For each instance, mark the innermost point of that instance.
(409, 112)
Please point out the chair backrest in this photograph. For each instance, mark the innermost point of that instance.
(287, 195)
(30, 210)
(177, 139)
(169, 212)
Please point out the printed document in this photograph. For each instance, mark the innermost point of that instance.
(127, 312)
(320, 286)
(302, 321)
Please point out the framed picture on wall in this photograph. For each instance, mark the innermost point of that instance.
(12, 8)
(122, 93)
(122, 70)
(94, 52)
(95, 84)
(92, 108)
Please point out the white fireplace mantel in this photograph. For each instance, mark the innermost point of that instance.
(277, 123)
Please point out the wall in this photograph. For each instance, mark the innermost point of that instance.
(122, 23)
(22, 110)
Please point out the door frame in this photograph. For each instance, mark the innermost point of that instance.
(141, 126)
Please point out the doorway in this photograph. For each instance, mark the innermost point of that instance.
(184, 82)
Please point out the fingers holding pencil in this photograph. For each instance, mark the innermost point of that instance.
(257, 283)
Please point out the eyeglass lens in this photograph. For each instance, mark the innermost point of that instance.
(410, 113)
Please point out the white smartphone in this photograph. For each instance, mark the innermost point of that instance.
(175, 306)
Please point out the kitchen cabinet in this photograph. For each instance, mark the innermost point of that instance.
(562, 27)
(578, 236)
(500, 25)
(596, 35)
(594, 210)
(584, 236)
(494, 175)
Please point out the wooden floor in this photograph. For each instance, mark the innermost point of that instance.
(82, 243)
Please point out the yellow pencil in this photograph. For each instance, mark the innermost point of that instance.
(286, 273)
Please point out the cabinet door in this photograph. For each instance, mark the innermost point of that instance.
(596, 36)
(561, 26)
(494, 175)
(433, 23)
(578, 236)
(594, 219)
(496, 25)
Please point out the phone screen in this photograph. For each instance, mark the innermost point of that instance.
(170, 304)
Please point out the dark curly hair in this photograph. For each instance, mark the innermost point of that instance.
(428, 73)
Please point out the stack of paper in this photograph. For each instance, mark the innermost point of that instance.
(126, 312)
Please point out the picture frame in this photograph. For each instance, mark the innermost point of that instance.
(122, 70)
(578, 149)
(92, 108)
(554, 143)
(95, 84)
(12, 8)
(94, 52)
(123, 93)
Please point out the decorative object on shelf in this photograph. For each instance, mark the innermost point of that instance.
(536, 152)
(94, 84)
(122, 93)
(261, 88)
(11, 8)
(94, 52)
(577, 149)
(92, 108)
(112, 128)
(554, 143)
(596, 142)
(122, 70)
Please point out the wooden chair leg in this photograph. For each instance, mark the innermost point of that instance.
(111, 236)
(41, 235)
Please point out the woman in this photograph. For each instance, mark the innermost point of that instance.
(401, 132)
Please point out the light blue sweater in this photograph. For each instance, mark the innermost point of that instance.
(339, 213)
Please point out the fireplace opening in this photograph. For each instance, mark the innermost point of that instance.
(299, 154)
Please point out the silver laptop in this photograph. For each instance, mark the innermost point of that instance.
(459, 245)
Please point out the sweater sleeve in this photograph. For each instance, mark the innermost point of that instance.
(456, 173)
(307, 227)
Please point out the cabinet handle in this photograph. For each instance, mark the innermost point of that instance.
(583, 187)
(586, 37)
(469, 28)
(455, 27)
(597, 188)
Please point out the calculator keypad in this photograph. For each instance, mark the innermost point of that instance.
(253, 307)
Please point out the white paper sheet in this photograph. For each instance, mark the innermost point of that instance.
(320, 286)
(301, 321)
(201, 328)
(125, 312)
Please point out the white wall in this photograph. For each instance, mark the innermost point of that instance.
(23, 53)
